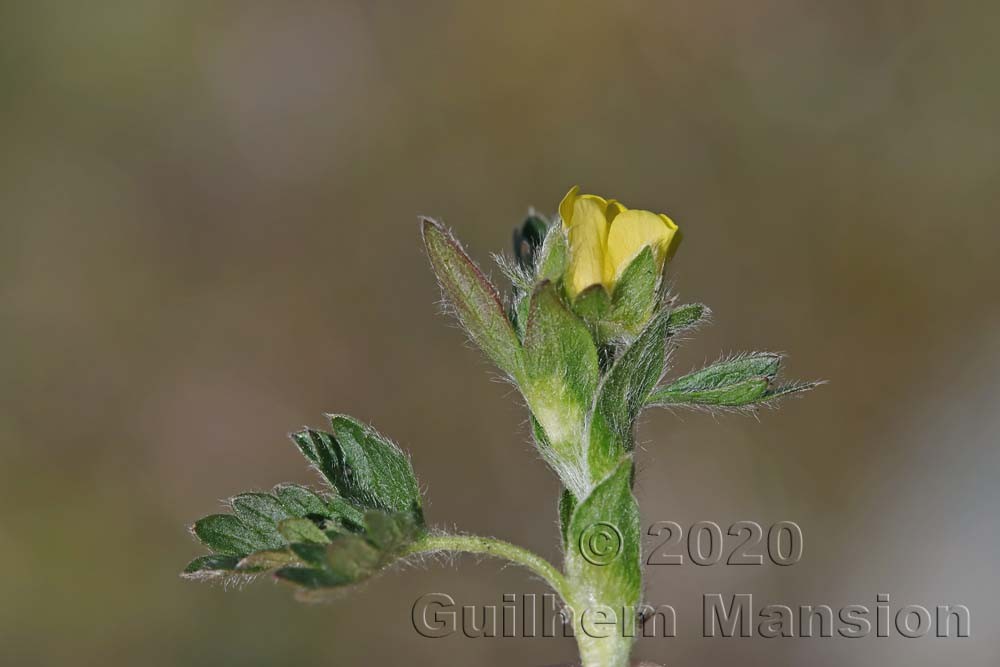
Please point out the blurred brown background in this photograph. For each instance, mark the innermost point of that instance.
(208, 237)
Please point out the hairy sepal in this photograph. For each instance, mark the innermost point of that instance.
(561, 377)
(622, 395)
(474, 299)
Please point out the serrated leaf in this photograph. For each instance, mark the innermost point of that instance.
(300, 501)
(269, 559)
(211, 564)
(374, 473)
(729, 372)
(261, 512)
(226, 535)
(623, 393)
(352, 558)
(310, 578)
(346, 515)
(318, 448)
(390, 532)
(602, 551)
(302, 530)
(474, 298)
(310, 553)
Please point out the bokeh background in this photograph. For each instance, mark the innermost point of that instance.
(208, 237)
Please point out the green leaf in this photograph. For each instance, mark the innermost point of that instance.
(739, 394)
(740, 382)
(310, 578)
(210, 566)
(269, 559)
(623, 393)
(365, 468)
(310, 553)
(789, 388)
(475, 300)
(300, 501)
(349, 559)
(318, 448)
(637, 292)
(261, 512)
(729, 372)
(347, 515)
(374, 472)
(352, 558)
(688, 316)
(602, 552)
(391, 532)
(302, 530)
(226, 535)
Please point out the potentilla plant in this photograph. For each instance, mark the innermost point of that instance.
(585, 335)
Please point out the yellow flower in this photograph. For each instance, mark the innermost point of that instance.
(604, 237)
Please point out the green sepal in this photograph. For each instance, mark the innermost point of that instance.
(603, 550)
(622, 395)
(637, 292)
(593, 304)
(554, 256)
(475, 300)
(561, 376)
(558, 347)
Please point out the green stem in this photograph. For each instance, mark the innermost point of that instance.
(487, 546)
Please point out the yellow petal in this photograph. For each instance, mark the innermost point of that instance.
(614, 208)
(566, 205)
(588, 237)
(675, 240)
(634, 230)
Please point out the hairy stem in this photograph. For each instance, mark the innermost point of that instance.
(488, 546)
